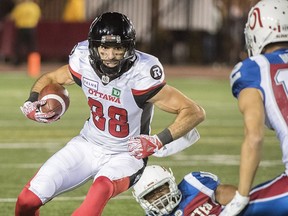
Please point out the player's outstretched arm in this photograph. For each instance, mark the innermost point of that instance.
(188, 116)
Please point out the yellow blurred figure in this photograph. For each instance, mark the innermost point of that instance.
(74, 11)
(26, 15)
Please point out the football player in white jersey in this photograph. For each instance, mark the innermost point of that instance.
(202, 194)
(121, 85)
(260, 83)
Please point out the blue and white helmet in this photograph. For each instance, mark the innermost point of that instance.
(153, 177)
(267, 23)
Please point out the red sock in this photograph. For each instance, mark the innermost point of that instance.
(98, 195)
(27, 204)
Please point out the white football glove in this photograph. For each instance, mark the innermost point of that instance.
(32, 111)
(235, 206)
(143, 146)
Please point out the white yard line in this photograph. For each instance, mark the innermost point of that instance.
(65, 198)
(178, 160)
(31, 145)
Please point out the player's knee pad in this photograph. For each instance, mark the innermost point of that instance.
(104, 185)
(115, 187)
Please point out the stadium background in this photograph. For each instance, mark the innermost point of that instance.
(25, 145)
(178, 32)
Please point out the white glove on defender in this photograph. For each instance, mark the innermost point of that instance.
(32, 111)
(235, 206)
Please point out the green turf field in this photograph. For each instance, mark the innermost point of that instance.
(25, 145)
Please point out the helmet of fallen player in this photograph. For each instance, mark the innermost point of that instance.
(111, 29)
(267, 23)
(153, 178)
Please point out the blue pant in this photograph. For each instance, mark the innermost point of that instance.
(269, 198)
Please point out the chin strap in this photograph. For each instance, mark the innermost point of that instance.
(107, 74)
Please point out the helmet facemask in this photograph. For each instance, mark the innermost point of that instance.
(162, 186)
(165, 203)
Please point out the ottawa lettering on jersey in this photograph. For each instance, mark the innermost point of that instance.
(202, 210)
(104, 96)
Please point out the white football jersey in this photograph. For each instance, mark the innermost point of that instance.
(119, 109)
(269, 74)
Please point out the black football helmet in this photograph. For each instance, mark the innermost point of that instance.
(111, 29)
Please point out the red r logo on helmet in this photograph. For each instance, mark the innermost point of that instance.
(257, 17)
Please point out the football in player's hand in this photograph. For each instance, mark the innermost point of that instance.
(57, 99)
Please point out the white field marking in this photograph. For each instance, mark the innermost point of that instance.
(61, 142)
(177, 160)
(65, 198)
(20, 165)
(231, 140)
(229, 160)
(30, 145)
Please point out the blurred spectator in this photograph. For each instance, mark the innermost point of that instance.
(74, 11)
(6, 7)
(26, 15)
(207, 18)
(237, 20)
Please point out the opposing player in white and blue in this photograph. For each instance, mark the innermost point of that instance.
(202, 194)
(260, 83)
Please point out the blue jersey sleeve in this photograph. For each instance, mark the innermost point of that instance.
(196, 182)
(245, 74)
(197, 190)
